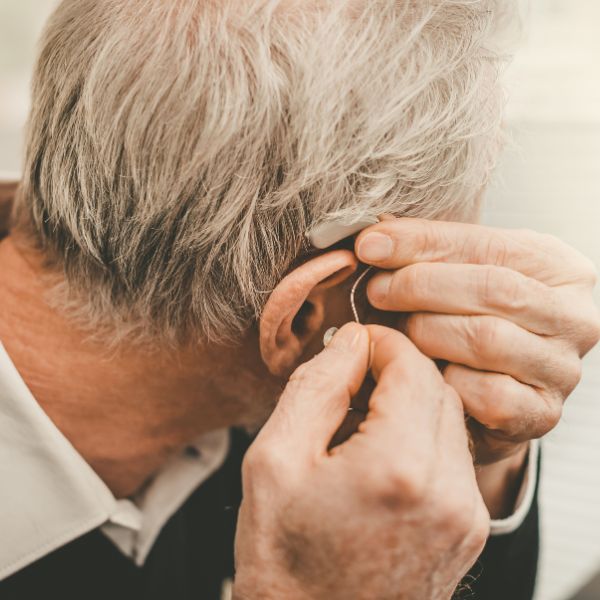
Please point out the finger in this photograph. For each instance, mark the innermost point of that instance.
(504, 405)
(407, 241)
(317, 396)
(475, 290)
(393, 351)
(412, 412)
(494, 344)
(453, 431)
(407, 396)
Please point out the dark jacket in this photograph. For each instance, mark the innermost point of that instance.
(194, 554)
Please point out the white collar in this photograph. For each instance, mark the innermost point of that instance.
(50, 495)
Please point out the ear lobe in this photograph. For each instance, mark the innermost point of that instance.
(295, 310)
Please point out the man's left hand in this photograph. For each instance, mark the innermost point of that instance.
(510, 310)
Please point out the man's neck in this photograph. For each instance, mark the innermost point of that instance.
(125, 410)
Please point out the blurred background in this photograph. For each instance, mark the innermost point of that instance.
(549, 180)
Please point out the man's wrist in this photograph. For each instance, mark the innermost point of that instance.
(500, 483)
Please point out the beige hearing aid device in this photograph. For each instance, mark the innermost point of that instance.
(325, 235)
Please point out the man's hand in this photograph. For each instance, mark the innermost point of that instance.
(511, 311)
(393, 512)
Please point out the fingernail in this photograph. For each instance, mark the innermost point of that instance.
(346, 338)
(379, 286)
(375, 247)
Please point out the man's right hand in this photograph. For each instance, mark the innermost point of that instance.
(393, 512)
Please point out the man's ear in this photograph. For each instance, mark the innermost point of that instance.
(295, 311)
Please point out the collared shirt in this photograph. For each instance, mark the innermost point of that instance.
(49, 495)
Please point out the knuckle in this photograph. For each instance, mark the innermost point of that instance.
(546, 242)
(428, 236)
(546, 419)
(578, 321)
(589, 271)
(557, 310)
(254, 460)
(553, 415)
(582, 266)
(301, 374)
(493, 387)
(483, 334)
(574, 375)
(455, 513)
(422, 238)
(488, 287)
(586, 328)
(451, 398)
(415, 326)
(553, 410)
(500, 400)
(414, 283)
(250, 463)
(480, 530)
(494, 250)
(504, 289)
(593, 328)
(262, 460)
(499, 417)
(400, 485)
(465, 517)
(267, 469)
(595, 324)
(312, 375)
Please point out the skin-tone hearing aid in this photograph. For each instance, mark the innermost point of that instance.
(325, 235)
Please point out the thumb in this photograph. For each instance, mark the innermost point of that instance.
(317, 396)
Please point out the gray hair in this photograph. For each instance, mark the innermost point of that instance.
(178, 151)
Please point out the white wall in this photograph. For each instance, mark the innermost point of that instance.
(20, 24)
(551, 182)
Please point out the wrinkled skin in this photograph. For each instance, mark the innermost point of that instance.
(392, 512)
(511, 311)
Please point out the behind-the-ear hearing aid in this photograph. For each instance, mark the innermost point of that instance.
(328, 233)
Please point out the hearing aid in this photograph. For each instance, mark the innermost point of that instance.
(328, 233)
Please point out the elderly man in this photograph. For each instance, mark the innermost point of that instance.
(159, 292)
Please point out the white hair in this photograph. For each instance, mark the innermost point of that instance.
(178, 151)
